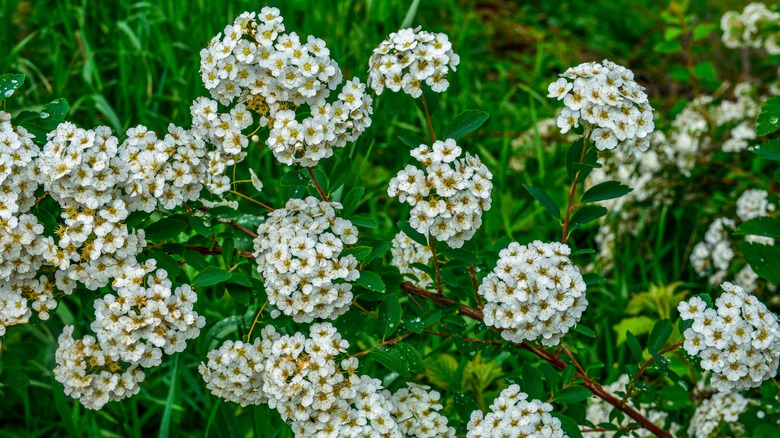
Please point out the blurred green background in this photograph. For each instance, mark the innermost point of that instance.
(123, 63)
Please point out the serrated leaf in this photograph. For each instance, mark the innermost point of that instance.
(769, 118)
(164, 229)
(571, 394)
(464, 123)
(769, 150)
(392, 359)
(545, 200)
(371, 281)
(761, 226)
(210, 276)
(412, 233)
(633, 345)
(659, 334)
(764, 259)
(532, 381)
(604, 191)
(389, 317)
(442, 370)
(585, 214)
(9, 83)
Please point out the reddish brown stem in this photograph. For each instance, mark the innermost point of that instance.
(428, 117)
(382, 344)
(317, 185)
(572, 190)
(432, 246)
(644, 366)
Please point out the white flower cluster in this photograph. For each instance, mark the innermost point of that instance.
(756, 27)
(416, 410)
(739, 341)
(715, 251)
(513, 415)
(298, 251)
(722, 407)
(449, 196)
(132, 331)
(23, 248)
(234, 371)
(90, 375)
(407, 252)
(139, 323)
(258, 66)
(752, 204)
(534, 292)
(605, 97)
(410, 57)
(598, 412)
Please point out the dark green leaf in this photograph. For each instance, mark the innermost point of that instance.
(568, 426)
(761, 226)
(604, 191)
(371, 281)
(568, 374)
(584, 330)
(550, 376)
(592, 279)
(706, 71)
(223, 212)
(364, 220)
(571, 394)
(166, 262)
(389, 316)
(195, 259)
(465, 404)
(573, 155)
(769, 118)
(210, 276)
(769, 150)
(392, 359)
(412, 233)
(228, 245)
(633, 345)
(532, 381)
(340, 174)
(9, 83)
(294, 179)
(462, 255)
(413, 323)
(360, 252)
(585, 214)
(200, 225)
(545, 199)
(351, 201)
(54, 112)
(164, 229)
(412, 141)
(659, 334)
(464, 123)
(764, 259)
(412, 357)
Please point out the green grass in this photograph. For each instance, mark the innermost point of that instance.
(136, 63)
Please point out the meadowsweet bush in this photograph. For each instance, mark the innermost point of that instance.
(327, 280)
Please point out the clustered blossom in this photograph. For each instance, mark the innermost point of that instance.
(407, 252)
(715, 251)
(722, 407)
(449, 196)
(605, 97)
(139, 323)
(756, 27)
(298, 252)
(132, 331)
(739, 340)
(416, 410)
(90, 375)
(23, 248)
(410, 57)
(599, 410)
(534, 292)
(752, 204)
(255, 66)
(513, 414)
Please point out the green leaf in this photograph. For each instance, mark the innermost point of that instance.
(165, 424)
(550, 376)
(633, 345)
(703, 30)
(412, 233)
(195, 259)
(413, 323)
(585, 214)
(764, 259)
(223, 212)
(351, 201)
(164, 229)
(604, 191)
(340, 174)
(210, 276)
(545, 199)
(761, 226)
(584, 330)
(706, 71)
(412, 357)
(532, 381)
(769, 118)
(9, 83)
(769, 150)
(412, 141)
(465, 404)
(568, 426)
(464, 123)
(228, 245)
(392, 359)
(389, 316)
(568, 374)
(639, 325)
(364, 220)
(200, 225)
(573, 155)
(166, 262)
(371, 281)
(360, 252)
(571, 394)
(294, 179)
(659, 335)
(54, 112)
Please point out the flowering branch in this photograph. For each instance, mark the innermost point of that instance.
(592, 386)
(644, 366)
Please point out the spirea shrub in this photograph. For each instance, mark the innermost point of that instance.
(359, 309)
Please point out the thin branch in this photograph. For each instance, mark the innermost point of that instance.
(251, 200)
(573, 189)
(428, 116)
(317, 185)
(432, 246)
(390, 342)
